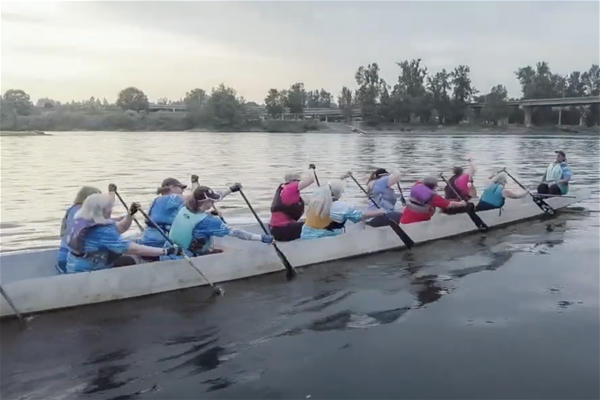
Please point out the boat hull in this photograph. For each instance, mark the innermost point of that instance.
(37, 287)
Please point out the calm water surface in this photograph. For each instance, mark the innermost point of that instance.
(510, 314)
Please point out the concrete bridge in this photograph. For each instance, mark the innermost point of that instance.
(334, 114)
(261, 111)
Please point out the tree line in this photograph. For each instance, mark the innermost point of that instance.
(418, 95)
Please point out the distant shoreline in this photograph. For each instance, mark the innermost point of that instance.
(340, 128)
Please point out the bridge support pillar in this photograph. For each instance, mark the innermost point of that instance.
(527, 111)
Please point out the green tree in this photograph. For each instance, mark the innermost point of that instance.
(132, 98)
(370, 88)
(296, 98)
(496, 107)
(439, 86)
(195, 98)
(19, 101)
(462, 91)
(409, 95)
(224, 109)
(275, 103)
(346, 103)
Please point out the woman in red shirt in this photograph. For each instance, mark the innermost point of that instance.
(288, 206)
(423, 201)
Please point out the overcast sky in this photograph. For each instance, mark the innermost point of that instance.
(75, 50)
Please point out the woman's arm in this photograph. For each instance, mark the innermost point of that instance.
(393, 179)
(372, 214)
(124, 224)
(214, 226)
(145, 251)
(306, 182)
(472, 169)
(512, 195)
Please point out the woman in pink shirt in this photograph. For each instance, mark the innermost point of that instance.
(462, 183)
(288, 207)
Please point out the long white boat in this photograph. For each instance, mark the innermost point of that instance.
(32, 282)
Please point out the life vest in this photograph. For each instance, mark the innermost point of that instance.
(316, 222)
(76, 242)
(182, 231)
(294, 211)
(448, 192)
(554, 172)
(420, 198)
(66, 222)
(493, 195)
(384, 198)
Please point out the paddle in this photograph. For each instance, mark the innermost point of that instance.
(536, 199)
(290, 271)
(402, 200)
(393, 224)
(312, 166)
(470, 208)
(195, 184)
(113, 188)
(10, 303)
(216, 289)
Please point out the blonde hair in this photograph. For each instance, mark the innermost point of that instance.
(84, 193)
(93, 208)
(321, 201)
(500, 179)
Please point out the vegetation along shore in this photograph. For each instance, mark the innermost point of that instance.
(420, 101)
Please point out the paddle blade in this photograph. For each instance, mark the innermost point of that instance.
(402, 235)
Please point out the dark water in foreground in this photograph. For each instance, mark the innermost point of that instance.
(513, 314)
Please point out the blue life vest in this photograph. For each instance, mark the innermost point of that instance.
(182, 230)
(165, 227)
(76, 243)
(384, 197)
(493, 195)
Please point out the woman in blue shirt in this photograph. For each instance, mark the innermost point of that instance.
(194, 227)
(67, 222)
(495, 194)
(95, 242)
(381, 186)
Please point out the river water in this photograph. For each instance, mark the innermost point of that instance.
(510, 314)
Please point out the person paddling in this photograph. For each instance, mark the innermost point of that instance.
(495, 193)
(381, 188)
(462, 182)
(67, 223)
(287, 206)
(162, 211)
(326, 215)
(95, 241)
(194, 228)
(557, 176)
(423, 201)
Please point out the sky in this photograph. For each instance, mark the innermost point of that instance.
(73, 50)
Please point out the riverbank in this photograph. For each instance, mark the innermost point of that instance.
(475, 129)
(24, 133)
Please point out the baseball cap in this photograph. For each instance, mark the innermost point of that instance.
(380, 172)
(562, 153)
(205, 193)
(172, 182)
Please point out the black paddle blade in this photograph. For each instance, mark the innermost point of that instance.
(543, 205)
(402, 235)
(290, 272)
(475, 218)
